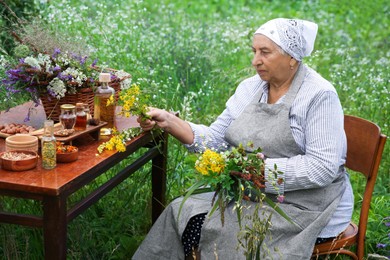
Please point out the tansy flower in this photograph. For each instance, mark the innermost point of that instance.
(210, 161)
(133, 101)
(118, 140)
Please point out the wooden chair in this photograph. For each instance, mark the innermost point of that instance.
(365, 145)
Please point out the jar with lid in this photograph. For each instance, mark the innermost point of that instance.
(68, 116)
(81, 118)
(48, 146)
(102, 111)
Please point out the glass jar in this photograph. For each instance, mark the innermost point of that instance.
(48, 146)
(81, 118)
(68, 116)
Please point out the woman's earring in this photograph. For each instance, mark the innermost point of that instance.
(292, 65)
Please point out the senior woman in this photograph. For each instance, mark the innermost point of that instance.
(295, 116)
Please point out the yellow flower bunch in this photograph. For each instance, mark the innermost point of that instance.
(210, 161)
(133, 101)
(129, 97)
(230, 174)
(116, 142)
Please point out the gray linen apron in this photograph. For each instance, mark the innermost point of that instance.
(310, 209)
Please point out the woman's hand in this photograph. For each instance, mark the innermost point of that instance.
(169, 122)
(159, 118)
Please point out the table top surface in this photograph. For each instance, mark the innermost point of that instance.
(42, 181)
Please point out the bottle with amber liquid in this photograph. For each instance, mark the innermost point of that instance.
(48, 146)
(103, 112)
(81, 118)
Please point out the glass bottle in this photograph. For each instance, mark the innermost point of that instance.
(81, 118)
(48, 145)
(68, 116)
(103, 93)
(88, 113)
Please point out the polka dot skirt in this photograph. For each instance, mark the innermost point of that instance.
(322, 239)
(191, 235)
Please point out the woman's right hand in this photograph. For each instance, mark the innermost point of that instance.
(169, 122)
(159, 118)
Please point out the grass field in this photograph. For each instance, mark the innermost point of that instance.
(190, 56)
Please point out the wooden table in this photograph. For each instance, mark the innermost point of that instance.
(53, 187)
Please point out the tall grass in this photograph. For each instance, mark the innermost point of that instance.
(192, 54)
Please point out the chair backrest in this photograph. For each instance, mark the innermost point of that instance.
(365, 145)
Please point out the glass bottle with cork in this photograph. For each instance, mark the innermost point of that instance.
(81, 118)
(48, 146)
(103, 112)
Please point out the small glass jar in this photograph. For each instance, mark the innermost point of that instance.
(81, 118)
(68, 116)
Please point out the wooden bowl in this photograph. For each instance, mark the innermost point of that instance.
(66, 157)
(21, 142)
(18, 163)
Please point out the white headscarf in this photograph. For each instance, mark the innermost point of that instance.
(294, 36)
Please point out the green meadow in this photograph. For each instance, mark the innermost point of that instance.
(190, 57)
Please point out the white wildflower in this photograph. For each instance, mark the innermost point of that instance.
(63, 59)
(76, 75)
(32, 62)
(57, 88)
(44, 61)
(126, 83)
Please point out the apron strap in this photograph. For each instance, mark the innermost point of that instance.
(295, 85)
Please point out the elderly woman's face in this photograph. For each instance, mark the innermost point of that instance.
(270, 62)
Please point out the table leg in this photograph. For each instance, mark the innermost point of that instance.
(54, 227)
(159, 169)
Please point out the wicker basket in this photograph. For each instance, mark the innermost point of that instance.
(52, 105)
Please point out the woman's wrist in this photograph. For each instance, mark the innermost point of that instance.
(169, 121)
(178, 128)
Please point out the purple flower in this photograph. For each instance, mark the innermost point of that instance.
(55, 53)
(27, 118)
(11, 89)
(82, 60)
(94, 62)
(56, 68)
(51, 94)
(380, 245)
(14, 73)
(65, 77)
(79, 58)
(280, 198)
(260, 156)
